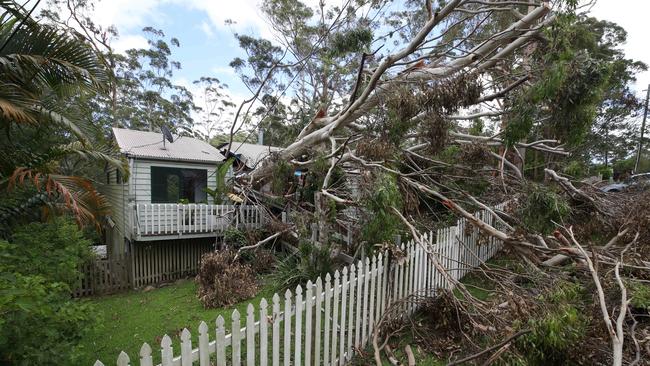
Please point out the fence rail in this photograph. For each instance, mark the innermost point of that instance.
(174, 219)
(327, 321)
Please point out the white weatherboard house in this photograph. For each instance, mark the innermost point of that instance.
(164, 198)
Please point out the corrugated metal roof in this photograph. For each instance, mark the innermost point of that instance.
(150, 145)
(252, 153)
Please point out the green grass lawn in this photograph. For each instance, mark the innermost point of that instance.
(126, 321)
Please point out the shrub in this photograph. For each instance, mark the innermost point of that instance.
(576, 169)
(605, 171)
(235, 238)
(223, 281)
(40, 323)
(310, 262)
(639, 295)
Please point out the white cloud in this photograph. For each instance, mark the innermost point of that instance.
(129, 41)
(207, 29)
(633, 16)
(223, 70)
(245, 13)
(125, 14)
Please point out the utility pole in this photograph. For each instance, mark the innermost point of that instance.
(645, 114)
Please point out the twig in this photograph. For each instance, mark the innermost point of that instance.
(259, 243)
(487, 350)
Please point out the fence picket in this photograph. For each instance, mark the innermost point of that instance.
(308, 315)
(204, 344)
(359, 300)
(353, 271)
(145, 355)
(371, 300)
(364, 315)
(344, 292)
(250, 335)
(264, 333)
(335, 317)
(166, 352)
(123, 359)
(298, 332)
(236, 338)
(221, 341)
(186, 348)
(287, 328)
(327, 318)
(318, 309)
(276, 330)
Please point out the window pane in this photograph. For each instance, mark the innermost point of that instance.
(170, 185)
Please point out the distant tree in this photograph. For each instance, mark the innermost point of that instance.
(217, 109)
(147, 97)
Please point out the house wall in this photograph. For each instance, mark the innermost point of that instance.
(140, 179)
(117, 196)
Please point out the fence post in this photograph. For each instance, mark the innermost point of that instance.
(314, 233)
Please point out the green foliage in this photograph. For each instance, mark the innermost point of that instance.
(570, 89)
(310, 262)
(639, 295)
(147, 96)
(282, 175)
(558, 331)
(541, 207)
(381, 224)
(47, 77)
(605, 171)
(41, 324)
(477, 127)
(351, 41)
(315, 177)
(219, 194)
(576, 169)
(235, 238)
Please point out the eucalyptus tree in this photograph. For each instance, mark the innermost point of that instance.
(538, 71)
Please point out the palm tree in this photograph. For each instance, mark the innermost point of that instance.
(45, 75)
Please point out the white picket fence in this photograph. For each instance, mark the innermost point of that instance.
(327, 321)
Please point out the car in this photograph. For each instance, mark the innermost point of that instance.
(636, 181)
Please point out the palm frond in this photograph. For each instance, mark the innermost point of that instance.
(100, 153)
(65, 193)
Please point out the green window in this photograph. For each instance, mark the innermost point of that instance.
(171, 185)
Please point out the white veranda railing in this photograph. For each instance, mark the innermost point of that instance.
(193, 218)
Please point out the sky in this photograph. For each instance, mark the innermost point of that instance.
(208, 44)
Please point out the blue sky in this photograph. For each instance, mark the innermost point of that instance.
(207, 44)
